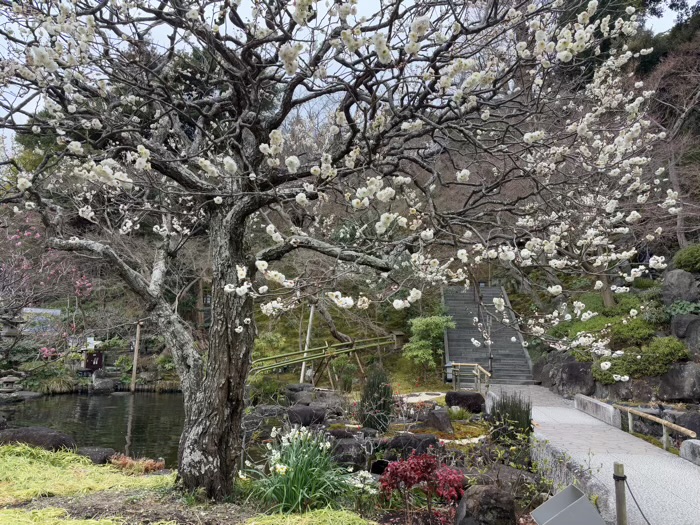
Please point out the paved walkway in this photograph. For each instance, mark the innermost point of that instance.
(666, 486)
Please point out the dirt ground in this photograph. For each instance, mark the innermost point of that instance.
(140, 508)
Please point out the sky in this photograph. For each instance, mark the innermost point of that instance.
(662, 23)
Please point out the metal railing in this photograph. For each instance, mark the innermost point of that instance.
(665, 424)
(326, 352)
(478, 372)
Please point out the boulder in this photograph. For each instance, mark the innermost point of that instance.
(330, 406)
(26, 395)
(505, 477)
(575, 378)
(403, 445)
(305, 415)
(350, 452)
(299, 387)
(275, 411)
(41, 437)
(690, 420)
(378, 467)
(301, 398)
(97, 455)
(681, 383)
(102, 386)
(472, 401)
(340, 433)
(679, 285)
(486, 505)
(439, 419)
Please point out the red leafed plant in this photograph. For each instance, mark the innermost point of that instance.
(425, 474)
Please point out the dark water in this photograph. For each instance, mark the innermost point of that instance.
(142, 425)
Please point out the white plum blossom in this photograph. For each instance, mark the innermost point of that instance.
(427, 235)
(554, 290)
(414, 295)
(23, 183)
(605, 365)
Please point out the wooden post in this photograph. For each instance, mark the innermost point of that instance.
(665, 439)
(620, 494)
(136, 357)
(630, 422)
(306, 345)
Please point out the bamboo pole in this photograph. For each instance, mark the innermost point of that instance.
(308, 340)
(136, 357)
(672, 426)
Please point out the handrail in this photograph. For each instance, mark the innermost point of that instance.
(476, 366)
(477, 370)
(666, 424)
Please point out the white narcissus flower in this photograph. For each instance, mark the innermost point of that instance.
(605, 365)
(624, 379)
(617, 377)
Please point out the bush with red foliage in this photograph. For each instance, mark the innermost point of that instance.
(422, 473)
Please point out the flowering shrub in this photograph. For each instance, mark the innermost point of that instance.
(422, 474)
(299, 473)
(653, 359)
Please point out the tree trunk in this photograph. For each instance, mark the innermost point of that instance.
(680, 218)
(211, 441)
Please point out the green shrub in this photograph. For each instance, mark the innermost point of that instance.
(644, 283)
(300, 474)
(688, 259)
(634, 332)
(345, 371)
(653, 359)
(622, 332)
(377, 401)
(427, 343)
(514, 412)
(683, 307)
(49, 378)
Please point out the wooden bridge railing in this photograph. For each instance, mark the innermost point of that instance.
(481, 375)
(666, 425)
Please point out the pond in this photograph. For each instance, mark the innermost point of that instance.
(142, 425)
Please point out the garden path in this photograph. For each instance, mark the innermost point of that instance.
(666, 486)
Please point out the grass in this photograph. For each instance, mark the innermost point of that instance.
(317, 517)
(27, 473)
(49, 516)
(656, 443)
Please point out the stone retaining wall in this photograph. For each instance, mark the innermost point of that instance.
(599, 410)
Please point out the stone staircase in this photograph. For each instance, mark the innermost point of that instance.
(511, 363)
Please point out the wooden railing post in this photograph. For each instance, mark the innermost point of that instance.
(665, 438)
(620, 494)
(630, 422)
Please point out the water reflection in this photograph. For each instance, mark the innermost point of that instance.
(141, 425)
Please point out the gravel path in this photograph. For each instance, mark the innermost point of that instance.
(666, 486)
